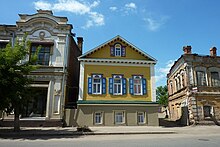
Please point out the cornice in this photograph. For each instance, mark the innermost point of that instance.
(120, 61)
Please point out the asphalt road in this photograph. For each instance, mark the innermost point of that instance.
(151, 140)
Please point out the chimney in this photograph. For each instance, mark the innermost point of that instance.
(80, 42)
(187, 49)
(213, 51)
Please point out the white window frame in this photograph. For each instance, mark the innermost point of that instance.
(142, 114)
(136, 85)
(117, 50)
(96, 76)
(117, 77)
(117, 115)
(101, 118)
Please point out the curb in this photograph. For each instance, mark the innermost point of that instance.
(13, 135)
(125, 133)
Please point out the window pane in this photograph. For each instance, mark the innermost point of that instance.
(117, 80)
(201, 79)
(215, 78)
(97, 80)
(98, 118)
(47, 49)
(135, 89)
(117, 86)
(119, 117)
(96, 86)
(44, 53)
(137, 86)
(140, 117)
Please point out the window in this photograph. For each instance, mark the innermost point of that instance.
(176, 82)
(179, 82)
(201, 79)
(215, 79)
(140, 118)
(183, 80)
(119, 117)
(137, 85)
(171, 87)
(98, 118)
(117, 50)
(3, 45)
(44, 53)
(96, 84)
(117, 85)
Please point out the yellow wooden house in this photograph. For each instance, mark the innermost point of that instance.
(117, 86)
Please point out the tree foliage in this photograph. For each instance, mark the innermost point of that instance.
(14, 83)
(162, 95)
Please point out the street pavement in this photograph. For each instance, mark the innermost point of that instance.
(105, 130)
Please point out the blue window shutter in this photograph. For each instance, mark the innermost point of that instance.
(103, 85)
(124, 89)
(110, 85)
(112, 51)
(89, 85)
(144, 85)
(123, 51)
(131, 86)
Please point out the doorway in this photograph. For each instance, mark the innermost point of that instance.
(207, 111)
(36, 105)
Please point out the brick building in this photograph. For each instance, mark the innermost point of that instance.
(194, 87)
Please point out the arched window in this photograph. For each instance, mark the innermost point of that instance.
(137, 85)
(201, 78)
(215, 79)
(117, 50)
(171, 87)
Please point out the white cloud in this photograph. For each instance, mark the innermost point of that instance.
(97, 19)
(162, 72)
(126, 9)
(42, 5)
(77, 7)
(154, 24)
(71, 6)
(113, 8)
(130, 6)
(95, 4)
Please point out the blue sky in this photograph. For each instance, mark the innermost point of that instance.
(159, 27)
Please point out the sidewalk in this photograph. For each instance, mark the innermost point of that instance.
(41, 132)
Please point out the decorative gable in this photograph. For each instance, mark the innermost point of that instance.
(117, 49)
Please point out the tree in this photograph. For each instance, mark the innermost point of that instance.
(162, 95)
(14, 83)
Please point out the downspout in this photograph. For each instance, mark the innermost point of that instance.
(64, 75)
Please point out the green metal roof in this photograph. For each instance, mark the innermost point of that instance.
(114, 102)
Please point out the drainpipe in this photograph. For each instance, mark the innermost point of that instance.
(64, 75)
